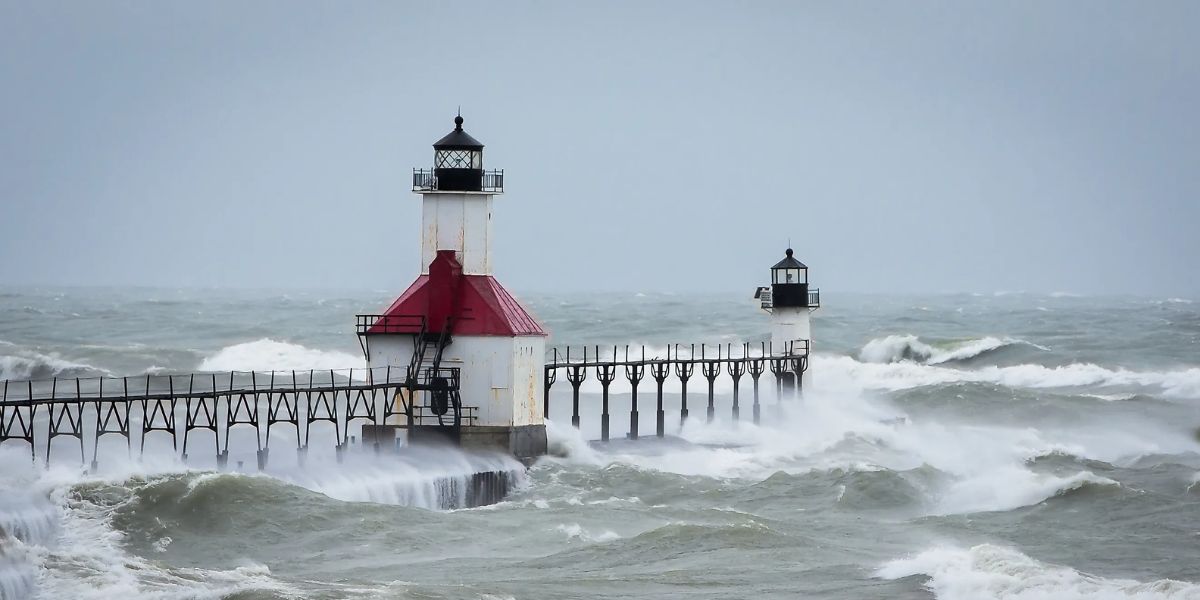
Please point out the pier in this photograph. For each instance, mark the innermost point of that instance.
(683, 364)
(182, 407)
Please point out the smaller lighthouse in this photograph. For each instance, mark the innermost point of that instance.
(790, 302)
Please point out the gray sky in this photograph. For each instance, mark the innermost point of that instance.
(1042, 146)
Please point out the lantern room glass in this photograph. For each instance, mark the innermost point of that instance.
(789, 276)
(458, 159)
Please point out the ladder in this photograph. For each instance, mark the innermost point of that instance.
(424, 343)
(425, 374)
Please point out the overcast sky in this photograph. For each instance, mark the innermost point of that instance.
(916, 147)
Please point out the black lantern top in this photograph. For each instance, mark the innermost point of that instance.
(458, 139)
(458, 166)
(458, 161)
(789, 270)
(789, 284)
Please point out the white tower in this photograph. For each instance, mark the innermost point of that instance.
(456, 202)
(790, 303)
(456, 324)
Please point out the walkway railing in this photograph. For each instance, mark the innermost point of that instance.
(678, 362)
(179, 406)
(373, 324)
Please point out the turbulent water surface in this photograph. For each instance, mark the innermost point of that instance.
(952, 446)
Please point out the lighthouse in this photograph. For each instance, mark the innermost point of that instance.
(472, 354)
(790, 302)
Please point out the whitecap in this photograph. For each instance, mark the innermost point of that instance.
(1180, 384)
(574, 531)
(1001, 573)
(897, 348)
(27, 364)
(1005, 487)
(270, 355)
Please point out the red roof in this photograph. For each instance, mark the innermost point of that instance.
(481, 307)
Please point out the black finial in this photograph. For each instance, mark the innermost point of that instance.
(788, 252)
(458, 121)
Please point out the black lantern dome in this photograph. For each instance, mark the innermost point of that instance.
(458, 161)
(789, 270)
(789, 282)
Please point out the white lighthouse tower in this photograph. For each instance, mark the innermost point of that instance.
(472, 353)
(790, 302)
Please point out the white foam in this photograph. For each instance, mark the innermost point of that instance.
(27, 364)
(840, 424)
(1005, 487)
(567, 444)
(896, 348)
(271, 355)
(58, 544)
(574, 531)
(420, 477)
(70, 544)
(1179, 384)
(989, 571)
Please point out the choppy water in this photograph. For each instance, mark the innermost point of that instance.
(952, 446)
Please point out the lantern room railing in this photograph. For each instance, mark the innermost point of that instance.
(424, 180)
(767, 300)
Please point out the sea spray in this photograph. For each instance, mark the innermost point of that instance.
(60, 522)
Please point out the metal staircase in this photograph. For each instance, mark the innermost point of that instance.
(423, 343)
(437, 386)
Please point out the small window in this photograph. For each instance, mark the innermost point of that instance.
(789, 276)
(458, 159)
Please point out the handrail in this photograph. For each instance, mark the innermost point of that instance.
(375, 324)
(767, 298)
(678, 354)
(426, 180)
(208, 384)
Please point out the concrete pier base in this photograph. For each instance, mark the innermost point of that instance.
(524, 442)
(381, 437)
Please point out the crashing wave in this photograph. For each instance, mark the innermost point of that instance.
(26, 364)
(990, 571)
(902, 375)
(897, 348)
(271, 355)
(1007, 487)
